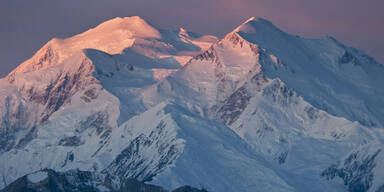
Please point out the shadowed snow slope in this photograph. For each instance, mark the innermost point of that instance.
(259, 110)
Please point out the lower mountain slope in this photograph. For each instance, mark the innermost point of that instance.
(74, 180)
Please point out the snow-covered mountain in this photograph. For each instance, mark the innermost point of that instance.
(258, 110)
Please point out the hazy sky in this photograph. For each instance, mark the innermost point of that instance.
(26, 25)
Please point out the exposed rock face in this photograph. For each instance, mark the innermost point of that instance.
(33, 104)
(356, 169)
(234, 106)
(131, 163)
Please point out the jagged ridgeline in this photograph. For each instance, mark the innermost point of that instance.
(129, 106)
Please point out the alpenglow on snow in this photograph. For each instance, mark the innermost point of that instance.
(258, 110)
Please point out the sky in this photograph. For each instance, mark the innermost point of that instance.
(26, 25)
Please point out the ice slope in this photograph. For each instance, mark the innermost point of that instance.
(57, 106)
(207, 79)
(43, 84)
(116, 35)
(300, 138)
(87, 137)
(199, 151)
(213, 157)
(238, 82)
(341, 80)
(30, 99)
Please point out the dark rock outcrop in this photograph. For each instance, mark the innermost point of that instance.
(84, 181)
(356, 171)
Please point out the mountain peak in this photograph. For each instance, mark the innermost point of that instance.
(135, 25)
(256, 19)
(254, 24)
(125, 20)
(112, 37)
(182, 30)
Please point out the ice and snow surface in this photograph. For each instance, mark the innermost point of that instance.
(258, 110)
(37, 176)
(343, 81)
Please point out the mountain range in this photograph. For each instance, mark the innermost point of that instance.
(257, 110)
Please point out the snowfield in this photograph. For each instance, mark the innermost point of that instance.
(37, 176)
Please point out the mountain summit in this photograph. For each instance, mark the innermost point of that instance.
(135, 25)
(258, 110)
(253, 24)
